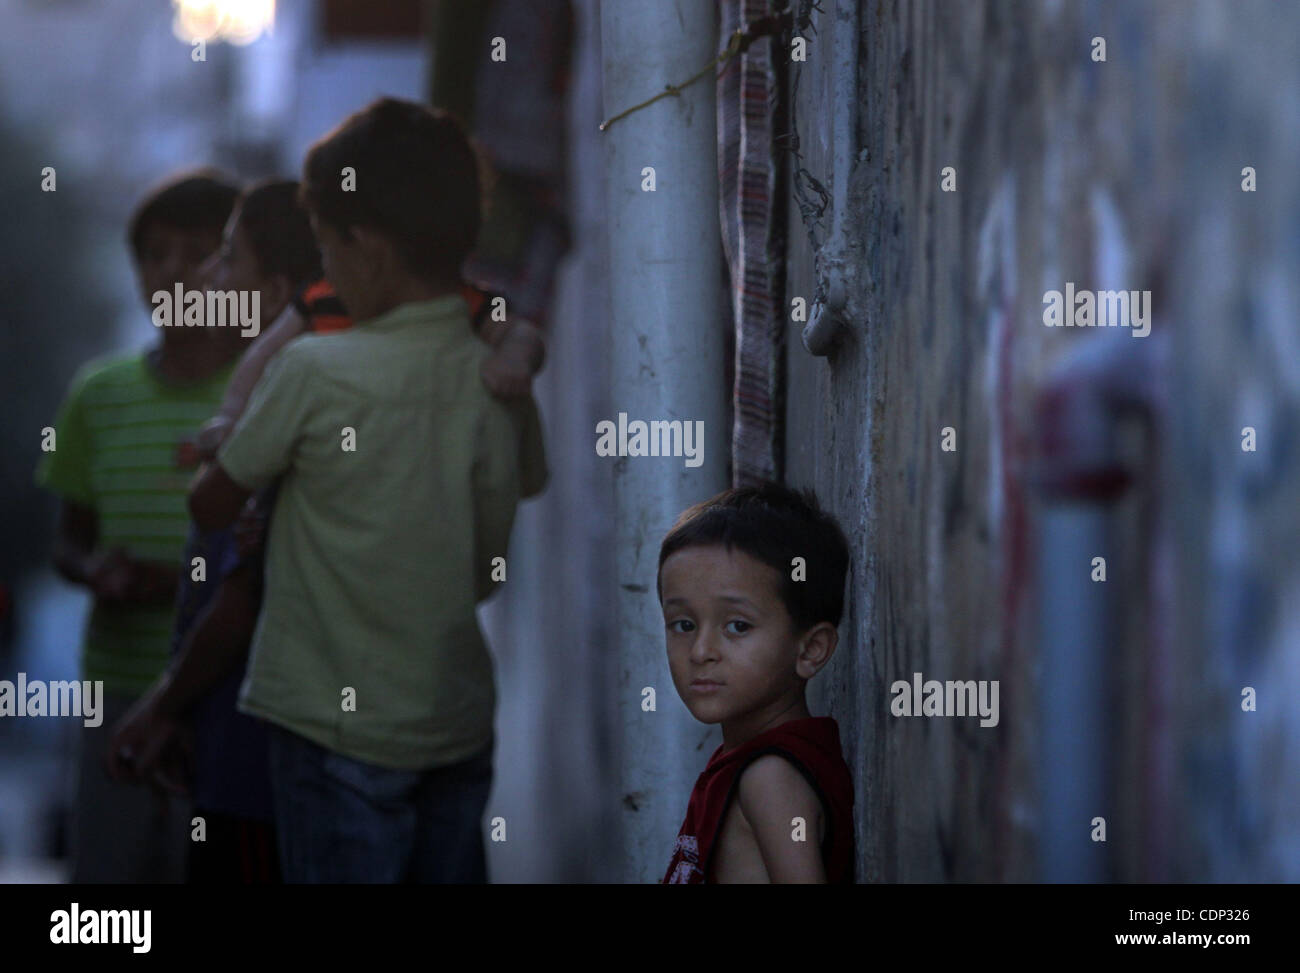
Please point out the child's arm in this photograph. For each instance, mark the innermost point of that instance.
(215, 644)
(285, 328)
(261, 447)
(519, 351)
(113, 576)
(772, 793)
(495, 480)
(210, 649)
(75, 542)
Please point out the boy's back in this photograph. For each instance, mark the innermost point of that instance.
(400, 481)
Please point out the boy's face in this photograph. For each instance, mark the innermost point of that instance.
(344, 261)
(171, 255)
(732, 648)
(234, 267)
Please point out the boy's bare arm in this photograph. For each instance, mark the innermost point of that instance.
(215, 499)
(772, 793)
(285, 328)
(527, 340)
(495, 483)
(113, 576)
(75, 540)
(211, 649)
(519, 351)
(213, 646)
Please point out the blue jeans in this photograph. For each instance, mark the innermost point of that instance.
(341, 820)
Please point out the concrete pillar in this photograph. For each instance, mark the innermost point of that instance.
(667, 363)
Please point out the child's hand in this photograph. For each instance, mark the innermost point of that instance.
(112, 576)
(507, 372)
(250, 529)
(212, 434)
(152, 583)
(518, 349)
(175, 766)
(139, 740)
(493, 331)
(187, 455)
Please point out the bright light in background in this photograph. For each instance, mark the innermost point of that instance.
(237, 21)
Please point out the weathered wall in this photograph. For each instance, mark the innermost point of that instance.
(1118, 699)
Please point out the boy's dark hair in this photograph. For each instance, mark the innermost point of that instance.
(200, 200)
(279, 231)
(773, 524)
(418, 182)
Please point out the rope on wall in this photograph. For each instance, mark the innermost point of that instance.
(741, 38)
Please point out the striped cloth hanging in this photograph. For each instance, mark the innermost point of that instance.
(750, 93)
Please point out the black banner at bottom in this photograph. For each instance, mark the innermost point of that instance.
(135, 924)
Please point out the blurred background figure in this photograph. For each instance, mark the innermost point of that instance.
(140, 98)
(120, 466)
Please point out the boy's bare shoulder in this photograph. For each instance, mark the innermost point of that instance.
(759, 840)
(777, 824)
(773, 780)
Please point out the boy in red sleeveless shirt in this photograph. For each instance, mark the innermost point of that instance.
(752, 588)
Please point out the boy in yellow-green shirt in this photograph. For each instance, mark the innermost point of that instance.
(399, 481)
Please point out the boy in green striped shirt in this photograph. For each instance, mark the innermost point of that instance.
(121, 465)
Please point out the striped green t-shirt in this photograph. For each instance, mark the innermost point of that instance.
(117, 450)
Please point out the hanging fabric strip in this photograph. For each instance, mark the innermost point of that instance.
(753, 229)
